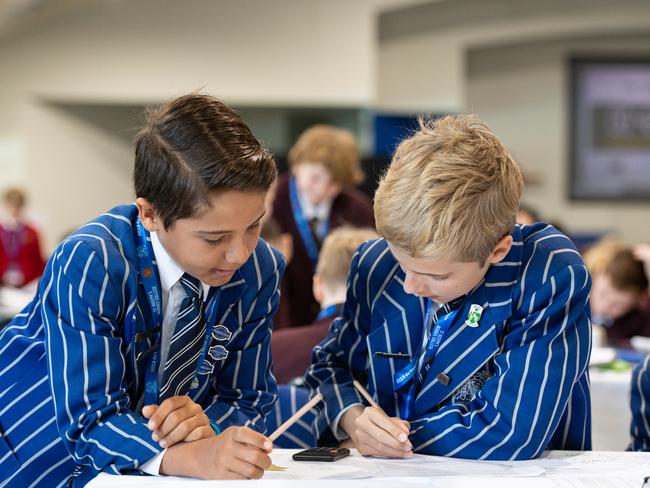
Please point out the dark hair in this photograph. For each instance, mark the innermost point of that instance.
(191, 147)
(626, 272)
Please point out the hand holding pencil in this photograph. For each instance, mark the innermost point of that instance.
(373, 432)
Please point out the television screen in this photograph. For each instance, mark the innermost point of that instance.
(610, 129)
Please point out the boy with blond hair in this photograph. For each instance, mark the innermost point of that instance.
(292, 347)
(318, 195)
(470, 332)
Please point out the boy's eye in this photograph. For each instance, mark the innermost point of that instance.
(255, 226)
(440, 278)
(213, 242)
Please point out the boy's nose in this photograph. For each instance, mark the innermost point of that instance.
(414, 285)
(237, 254)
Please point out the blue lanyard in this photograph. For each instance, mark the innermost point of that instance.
(302, 224)
(151, 282)
(326, 312)
(405, 379)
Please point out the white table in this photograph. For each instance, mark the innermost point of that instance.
(556, 469)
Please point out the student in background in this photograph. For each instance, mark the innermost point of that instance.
(471, 332)
(147, 343)
(20, 254)
(292, 347)
(619, 297)
(317, 195)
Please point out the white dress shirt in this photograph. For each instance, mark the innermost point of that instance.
(321, 212)
(172, 296)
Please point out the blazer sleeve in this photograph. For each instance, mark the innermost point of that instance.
(544, 352)
(245, 390)
(640, 405)
(83, 307)
(342, 355)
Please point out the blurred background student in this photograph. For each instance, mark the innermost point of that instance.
(21, 261)
(292, 347)
(619, 296)
(20, 253)
(316, 196)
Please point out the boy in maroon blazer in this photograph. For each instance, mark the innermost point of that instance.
(317, 195)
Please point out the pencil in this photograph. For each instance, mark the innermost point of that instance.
(365, 394)
(373, 403)
(294, 418)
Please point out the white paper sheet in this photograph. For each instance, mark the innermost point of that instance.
(557, 469)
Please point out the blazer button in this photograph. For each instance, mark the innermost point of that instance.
(443, 379)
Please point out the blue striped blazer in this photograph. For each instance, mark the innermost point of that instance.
(640, 405)
(69, 381)
(508, 389)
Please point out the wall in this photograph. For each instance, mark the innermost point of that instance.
(506, 62)
(102, 53)
(522, 92)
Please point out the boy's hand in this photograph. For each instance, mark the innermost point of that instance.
(376, 434)
(236, 453)
(177, 419)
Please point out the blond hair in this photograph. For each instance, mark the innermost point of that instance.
(336, 254)
(335, 148)
(598, 257)
(452, 191)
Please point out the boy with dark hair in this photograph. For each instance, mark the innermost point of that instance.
(471, 332)
(147, 342)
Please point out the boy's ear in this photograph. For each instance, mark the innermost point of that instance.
(501, 250)
(317, 288)
(147, 213)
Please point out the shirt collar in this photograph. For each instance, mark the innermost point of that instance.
(168, 270)
(310, 211)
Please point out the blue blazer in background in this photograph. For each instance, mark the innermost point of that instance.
(69, 380)
(508, 389)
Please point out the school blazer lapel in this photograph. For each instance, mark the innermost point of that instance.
(396, 327)
(463, 351)
(232, 291)
(141, 320)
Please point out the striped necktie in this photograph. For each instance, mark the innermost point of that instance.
(186, 343)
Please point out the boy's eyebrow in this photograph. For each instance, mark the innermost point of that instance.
(433, 275)
(218, 232)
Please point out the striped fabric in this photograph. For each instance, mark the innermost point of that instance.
(640, 405)
(508, 389)
(300, 435)
(69, 381)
